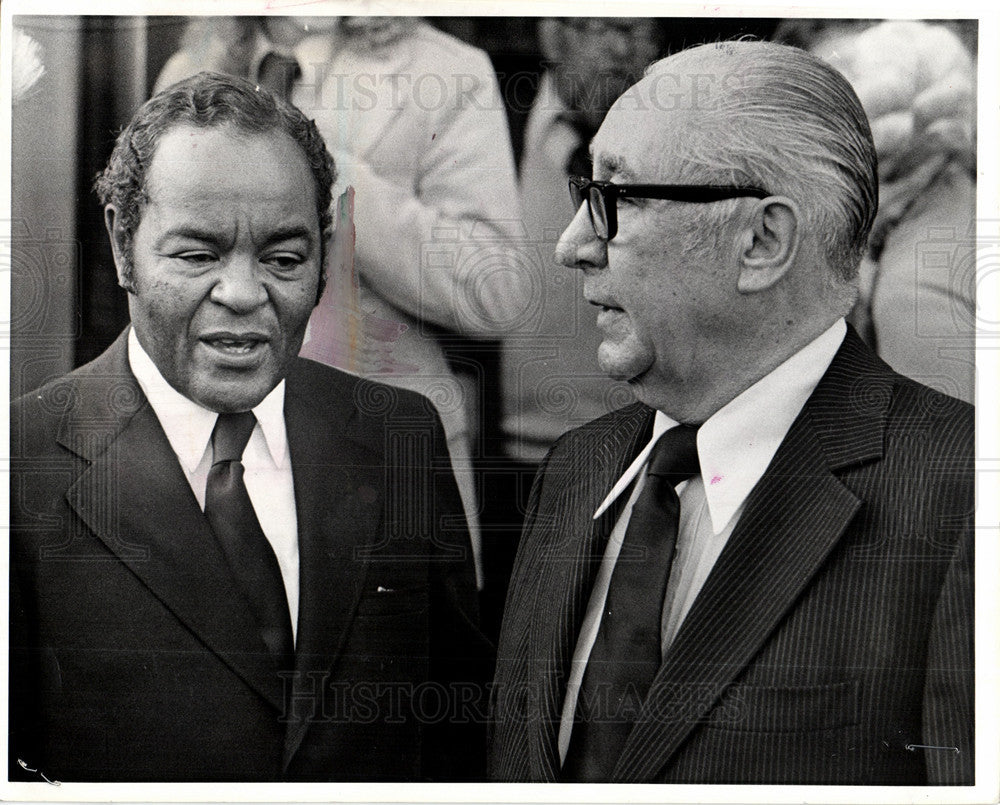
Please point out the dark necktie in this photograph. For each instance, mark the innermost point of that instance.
(626, 653)
(234, 522)
(277, 73)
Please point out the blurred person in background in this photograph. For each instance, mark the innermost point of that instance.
(918, 86)
(550, 380)
(414, 120)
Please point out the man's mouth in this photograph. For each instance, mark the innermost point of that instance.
(235, 344)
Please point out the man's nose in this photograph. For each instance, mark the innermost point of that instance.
(240, 286)
(579, 246)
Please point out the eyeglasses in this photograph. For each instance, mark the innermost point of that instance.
(602, 198)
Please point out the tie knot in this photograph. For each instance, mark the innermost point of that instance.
(675, 455)
(230, 436)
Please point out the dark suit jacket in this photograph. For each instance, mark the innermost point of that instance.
(832, 640)
(132, 657)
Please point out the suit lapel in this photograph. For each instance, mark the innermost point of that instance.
(339, 494)
(136, 500)
(569, 563)
(769, 558)
(792, 520)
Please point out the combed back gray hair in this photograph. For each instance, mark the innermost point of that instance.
(207, 100)
(786, 121)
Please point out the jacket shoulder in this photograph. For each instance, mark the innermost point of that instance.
(35, 417)
(95, 388)
(929, 422)
(911, 395)
(592, 455)
(862, 407)
(62, 392)
(368, 398)
(631, 419)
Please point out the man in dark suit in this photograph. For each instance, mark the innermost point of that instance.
(228, 563)
(761, 572)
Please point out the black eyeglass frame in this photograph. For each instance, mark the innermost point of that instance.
(580, 190)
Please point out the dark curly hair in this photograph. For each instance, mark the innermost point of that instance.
(206, 100)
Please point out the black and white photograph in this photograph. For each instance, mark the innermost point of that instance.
(408, 406)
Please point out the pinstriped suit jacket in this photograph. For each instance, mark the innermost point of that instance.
(832, 641)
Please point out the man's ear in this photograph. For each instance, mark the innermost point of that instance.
(769, 244)
(116, 234)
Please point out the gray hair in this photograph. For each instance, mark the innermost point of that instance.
(788, 122)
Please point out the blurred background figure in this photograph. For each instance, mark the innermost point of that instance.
(917, 83)
(417, 128)
(550, 381)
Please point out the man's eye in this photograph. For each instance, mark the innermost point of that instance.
(196, 258)
(284, 260)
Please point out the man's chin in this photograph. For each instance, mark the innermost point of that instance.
(230, 397)
(231, 385)
(618, 368)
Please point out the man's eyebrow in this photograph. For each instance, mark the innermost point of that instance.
(195, 231)
(192, 232)
(612, 165)
(290, 232)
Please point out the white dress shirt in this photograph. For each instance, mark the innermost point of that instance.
(267, 463)
(735, 446)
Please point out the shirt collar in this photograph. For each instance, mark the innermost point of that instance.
(189, 426)
(736, 443)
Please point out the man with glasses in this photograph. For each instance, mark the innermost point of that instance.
(761, 571)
